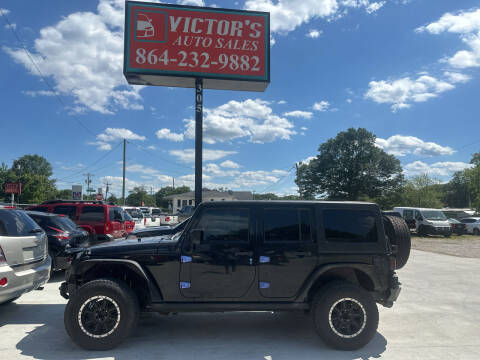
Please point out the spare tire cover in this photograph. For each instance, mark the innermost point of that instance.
(398, 233)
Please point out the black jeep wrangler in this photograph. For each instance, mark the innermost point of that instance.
(335, 260)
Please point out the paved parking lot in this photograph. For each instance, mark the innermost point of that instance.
(436, 317)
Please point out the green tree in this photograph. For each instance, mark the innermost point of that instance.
(166, 191)
(421, 191)
(139, 195)
(65, 194)
(349, 167)
(455, 192)
(112, 199)
(475, 159)
(472, 178)
(32, 164)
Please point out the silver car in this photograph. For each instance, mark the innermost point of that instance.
(24, 260)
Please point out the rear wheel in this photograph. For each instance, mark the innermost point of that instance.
(345, 315)
(101, 314)
(399, 234)
(476, 231)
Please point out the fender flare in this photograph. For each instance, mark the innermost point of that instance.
(155, 294)
(369, 270)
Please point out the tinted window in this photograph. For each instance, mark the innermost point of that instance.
(467, 221)
(156, 212)
(16, 223)
(70, 211)
(58, 222)
(92, 213)
(39, 208)
(287, 225)
(134, 213)
(224, 225)
(127, 216)
(350, 226)
(116, 214)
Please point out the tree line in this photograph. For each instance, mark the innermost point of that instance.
(347, 167)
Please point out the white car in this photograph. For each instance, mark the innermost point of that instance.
(137, 216)
(473, 225)
(425, 221)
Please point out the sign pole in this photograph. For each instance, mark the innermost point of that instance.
(13, 199)
(198, 139)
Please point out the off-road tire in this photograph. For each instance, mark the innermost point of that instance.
(399, 234)
(124, 303)
(325, 308)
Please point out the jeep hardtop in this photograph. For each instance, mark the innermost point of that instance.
(334, 260)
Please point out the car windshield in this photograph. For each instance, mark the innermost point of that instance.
(63, 222)
(434, 215)
(134, 213)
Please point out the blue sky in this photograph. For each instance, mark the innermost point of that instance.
(407, 70)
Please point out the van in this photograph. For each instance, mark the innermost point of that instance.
(425, 221)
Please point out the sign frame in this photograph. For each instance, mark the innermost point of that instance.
(139, 76)
(12, 188)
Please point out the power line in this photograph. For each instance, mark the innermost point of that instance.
(52, 89)
(279, 181)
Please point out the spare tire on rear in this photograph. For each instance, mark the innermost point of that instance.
(398, 233)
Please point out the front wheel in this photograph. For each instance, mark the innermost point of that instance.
(101, 314)
(345, 315)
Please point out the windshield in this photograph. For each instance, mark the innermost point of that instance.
(434, 215)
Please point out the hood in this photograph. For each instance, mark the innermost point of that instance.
(132, 246)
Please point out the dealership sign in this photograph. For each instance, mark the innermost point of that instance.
(13, 188)
(172, 45)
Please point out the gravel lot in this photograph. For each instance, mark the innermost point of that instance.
(464, 246)
(436, 317)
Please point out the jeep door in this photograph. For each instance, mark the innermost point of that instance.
(221, 265)
(287, 250)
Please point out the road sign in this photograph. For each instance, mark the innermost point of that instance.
(99, 196)
(172, 45)
(13, 188)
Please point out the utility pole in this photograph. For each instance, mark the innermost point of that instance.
(88, 182)
(107, 184)
(124, 162)
(198, 140)
(173, 183)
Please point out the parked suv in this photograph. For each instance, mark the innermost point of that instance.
(62, 234)
(335, 260)
(472, 225)
(102, 221)
(24, 260)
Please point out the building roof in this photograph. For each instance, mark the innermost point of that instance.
(239, 195)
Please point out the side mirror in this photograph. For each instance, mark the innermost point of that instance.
(196, 237)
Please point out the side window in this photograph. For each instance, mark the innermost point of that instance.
(287, 225)
(116, 214)
(16, 223)
(353, 226)
(224, 225)
(408, 214)
(69, 211)
(179, 203)
(92, 213)
(418, 216)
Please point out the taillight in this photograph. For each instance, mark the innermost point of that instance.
(107, 227)
(3, 281)
(3, 259)
(393, 263)
(415, 222)
(145, 221)
(62, 235)
(167, 218)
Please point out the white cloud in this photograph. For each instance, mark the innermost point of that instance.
(152, 147)
(281, 102)
(230, 164)
(110, 135)
(167, 134)
(11, 26)
(455, 77)
(191, 2)
(251, 119)
(402, 92)
(303, 128)
(83, 53)
(321, 105)
(307, 160)
(400, 145)
(349, 101)
(116, 184)
(138, 168)
(286, 15)
(299, 114)
(32, 93)
(4, 11)
(375, 6)
(467, 25)
(314, 33)
(188, 155)
(436, 169)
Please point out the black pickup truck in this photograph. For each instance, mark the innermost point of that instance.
(335, 260)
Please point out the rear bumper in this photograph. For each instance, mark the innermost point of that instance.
(24, 279)
(392, 293)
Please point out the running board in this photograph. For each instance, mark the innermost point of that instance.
(224, 306)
